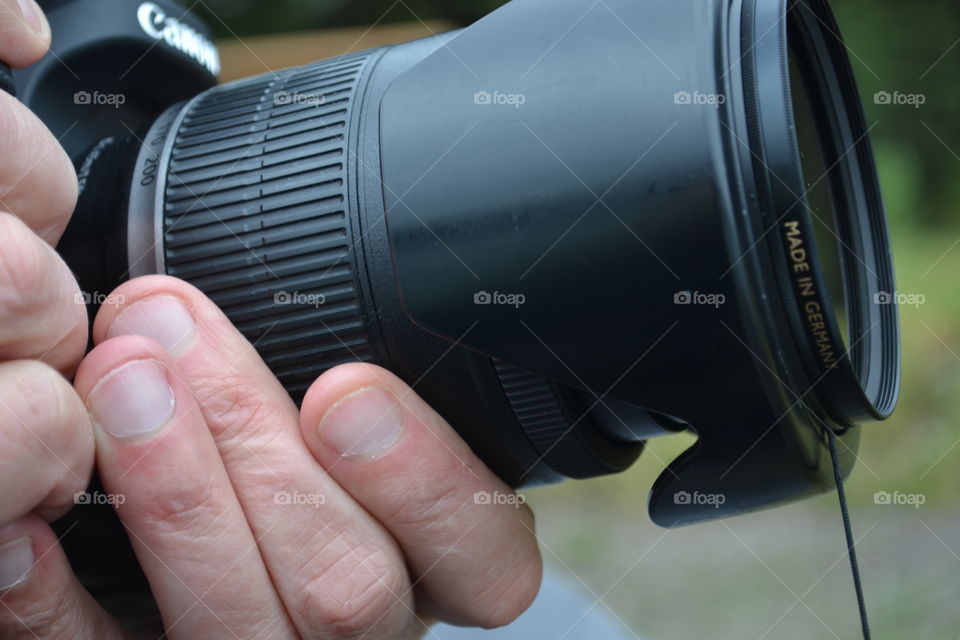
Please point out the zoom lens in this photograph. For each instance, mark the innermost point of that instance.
(570, 226)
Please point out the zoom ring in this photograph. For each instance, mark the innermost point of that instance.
(257, 215)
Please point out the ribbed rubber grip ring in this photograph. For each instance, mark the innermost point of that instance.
(257, 215)
(554, 433)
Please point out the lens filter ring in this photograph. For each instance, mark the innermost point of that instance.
(857, 379)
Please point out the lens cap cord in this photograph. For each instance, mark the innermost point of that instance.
(848, 531)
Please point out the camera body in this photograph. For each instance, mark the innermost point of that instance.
(114, 66)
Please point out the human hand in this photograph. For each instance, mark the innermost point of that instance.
(355, 517)
(45, 432)
(366, 545)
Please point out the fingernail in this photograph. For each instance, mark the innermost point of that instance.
(132, 400)
(163, 319)
(31, 14)
(16, 560)
(365, 423)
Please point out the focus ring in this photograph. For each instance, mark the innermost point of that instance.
(257, 215)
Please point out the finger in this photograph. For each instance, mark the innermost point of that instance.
(24, 32)
(37, 180)
(46, 439)
(467, 537)
(41, 313)
(40, 598)
(338, 571)
(174, 497)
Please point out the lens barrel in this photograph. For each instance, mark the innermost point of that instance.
(570, 226)
(259, 183)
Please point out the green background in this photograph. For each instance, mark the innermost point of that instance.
(782, 574)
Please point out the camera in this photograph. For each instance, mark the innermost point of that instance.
(363, 208)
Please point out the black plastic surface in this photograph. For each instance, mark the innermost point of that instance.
(104, 75)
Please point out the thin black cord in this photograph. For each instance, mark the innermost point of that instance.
(848, 530)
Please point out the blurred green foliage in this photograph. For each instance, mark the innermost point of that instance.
(912, 48)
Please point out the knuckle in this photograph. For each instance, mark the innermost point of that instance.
(355, 593)
(183, 508)
(39, 314)
(433, 507)
(42, 399)
(233, 405)
(12, 117)
(44, 409)
(40, 180)
(45, 427)
(24, 267)
(54, 617)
